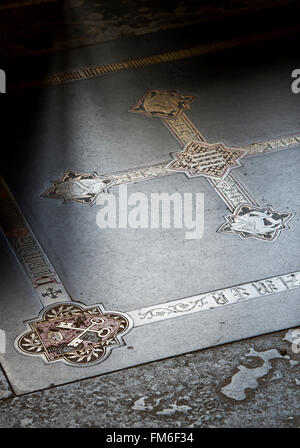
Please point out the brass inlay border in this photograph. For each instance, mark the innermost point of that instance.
(169, 56)
(215, 299)
(37, 267)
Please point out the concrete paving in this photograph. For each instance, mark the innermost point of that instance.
(184, 391)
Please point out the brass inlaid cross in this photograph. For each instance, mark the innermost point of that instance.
(197, 158)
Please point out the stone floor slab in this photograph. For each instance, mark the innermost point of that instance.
(86, 126)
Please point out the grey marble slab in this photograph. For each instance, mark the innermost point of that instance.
(86, 126)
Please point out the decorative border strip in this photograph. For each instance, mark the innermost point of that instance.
(215, 299)
(169, 56)
(40, 272)
(232, 192)
(183, 130)
(277, 144)
(140, 174)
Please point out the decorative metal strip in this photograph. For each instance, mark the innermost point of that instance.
(140, 174)
(183, 130)
(232, 192)
(277, 144)
(169, 56)
(216, 299)
(45, 281)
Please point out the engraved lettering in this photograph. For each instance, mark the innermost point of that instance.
(220, 298)
(290, 281)
(266, 287)
(240, 293)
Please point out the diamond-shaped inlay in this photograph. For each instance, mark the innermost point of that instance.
(163, 104)
(78, 187)
(204, 159)
(249, 221)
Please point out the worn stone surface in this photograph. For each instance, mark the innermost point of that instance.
(178, 392)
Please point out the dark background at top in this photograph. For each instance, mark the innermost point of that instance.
(35, 32)
(36, 27)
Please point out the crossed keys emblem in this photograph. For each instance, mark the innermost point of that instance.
(65, 331)
(95, 321)
(74, 333)
(214, 161)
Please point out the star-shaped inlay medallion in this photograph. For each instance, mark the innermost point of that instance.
(250, 221)
(78, 187)
(163, 104)
(205, 159)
